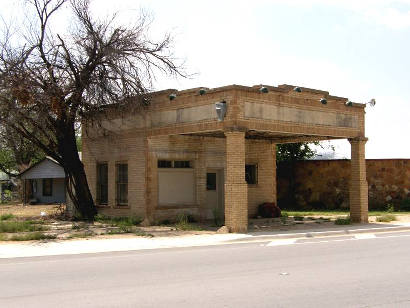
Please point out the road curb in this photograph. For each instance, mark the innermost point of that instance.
(313, 234)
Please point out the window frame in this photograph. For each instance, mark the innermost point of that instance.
(256, 174)
(48, 194)
(183, 164)
(100, 185)
(119, 184)
(211, 186)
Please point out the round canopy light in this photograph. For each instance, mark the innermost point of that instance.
(263, 90)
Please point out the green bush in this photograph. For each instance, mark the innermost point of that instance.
(386, 218)
(284, 217)
(298, 218)
(390, 208)
(343, 221)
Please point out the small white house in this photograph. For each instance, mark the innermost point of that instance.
(44, 182)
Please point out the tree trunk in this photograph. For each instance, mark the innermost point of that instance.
(77, 184)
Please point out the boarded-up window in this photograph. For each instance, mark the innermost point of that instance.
(102, 183)
(176, 186)
(47, 187)
(122, 184)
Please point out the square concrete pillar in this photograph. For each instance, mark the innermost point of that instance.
(358, 184)
(236, 188)
(150, 183)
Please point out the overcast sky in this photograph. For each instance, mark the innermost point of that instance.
(357, 49)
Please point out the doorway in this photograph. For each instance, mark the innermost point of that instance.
(215, 200)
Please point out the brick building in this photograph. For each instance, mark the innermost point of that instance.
(211, 152)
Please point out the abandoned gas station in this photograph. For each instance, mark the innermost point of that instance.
(212, 152)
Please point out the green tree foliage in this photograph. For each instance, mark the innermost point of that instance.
(16, 153)
(295, 151)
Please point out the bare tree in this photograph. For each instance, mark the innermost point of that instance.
(51, 81)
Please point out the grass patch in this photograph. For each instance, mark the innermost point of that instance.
(284, 217)
(139, 232)
(78, 226)
(118, 221)
(35, 222)
(315, 213)
(343, 221)
(121, 230)
(81, 235)
(183, 224)
(340, 213)
(386, 218)
(20, 226)
(6, 217)
(34, 236)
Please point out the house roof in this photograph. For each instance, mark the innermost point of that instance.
(40, 164)
(45, 168)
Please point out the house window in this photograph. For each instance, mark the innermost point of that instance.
(251, 174)
(47, 187)
(102, 183)
(174, 164)
(122, 184)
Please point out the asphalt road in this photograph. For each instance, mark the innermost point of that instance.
(337, 272)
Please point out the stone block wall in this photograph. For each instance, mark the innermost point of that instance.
(325, 183)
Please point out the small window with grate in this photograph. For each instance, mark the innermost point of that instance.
(251, 174)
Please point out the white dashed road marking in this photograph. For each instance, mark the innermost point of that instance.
(364, 236)
(282, 242)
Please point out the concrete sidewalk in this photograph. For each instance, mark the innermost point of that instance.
(50, 248)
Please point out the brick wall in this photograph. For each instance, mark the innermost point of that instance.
(127, 148)
(326, 183)
(142, 155)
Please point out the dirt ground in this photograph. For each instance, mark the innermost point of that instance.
(30, 211)
(50, 217)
